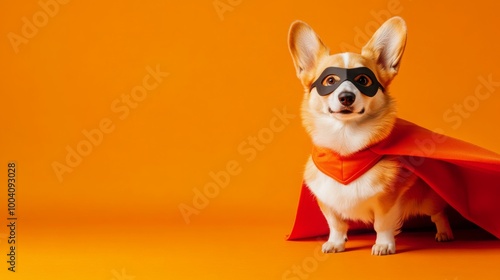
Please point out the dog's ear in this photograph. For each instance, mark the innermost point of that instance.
(387, 45)
(306, 49)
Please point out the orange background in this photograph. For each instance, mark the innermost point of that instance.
(228, 74)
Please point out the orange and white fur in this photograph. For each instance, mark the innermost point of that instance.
(375, 197)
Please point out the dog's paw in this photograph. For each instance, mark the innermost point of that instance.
(444, 236)
(331, 247)
(383, 249)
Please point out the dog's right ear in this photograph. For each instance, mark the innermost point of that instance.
(306, 49)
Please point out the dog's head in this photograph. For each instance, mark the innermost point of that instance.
(349, 87)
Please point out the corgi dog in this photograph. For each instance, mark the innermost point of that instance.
(347, 108)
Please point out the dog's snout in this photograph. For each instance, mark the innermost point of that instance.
(347, 98)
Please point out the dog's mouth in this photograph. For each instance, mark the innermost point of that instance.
(346, 111)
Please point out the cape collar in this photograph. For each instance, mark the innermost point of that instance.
(344, 169)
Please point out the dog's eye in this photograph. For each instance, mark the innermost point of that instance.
(363, 80)
(330, 80)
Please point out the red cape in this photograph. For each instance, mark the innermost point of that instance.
(464, 175)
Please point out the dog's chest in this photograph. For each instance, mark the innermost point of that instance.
(356, 200)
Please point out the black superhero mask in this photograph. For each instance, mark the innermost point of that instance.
(362, 77)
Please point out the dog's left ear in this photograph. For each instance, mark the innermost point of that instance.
(306, 49)
(387, 45)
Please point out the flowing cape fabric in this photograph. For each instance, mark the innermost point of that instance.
(466, 176)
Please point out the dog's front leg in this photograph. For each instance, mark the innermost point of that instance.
(387, 225)
(338, 231)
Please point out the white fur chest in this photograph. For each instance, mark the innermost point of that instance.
(355, 201)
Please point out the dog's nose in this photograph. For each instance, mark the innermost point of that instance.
(347, 98)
